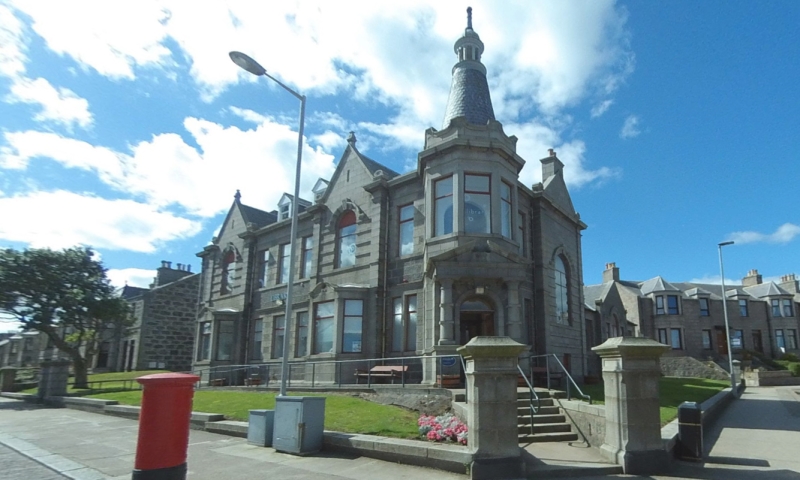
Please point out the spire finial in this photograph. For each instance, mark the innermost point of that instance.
(351, 139)
(469, 18)
(238, 196)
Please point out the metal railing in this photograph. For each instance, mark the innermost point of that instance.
(531, 397)
(334, 373)
(571, 381)
(116, 385)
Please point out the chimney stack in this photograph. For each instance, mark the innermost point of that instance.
(551, 165)
(790, 284)
(752, 278)
(611, 273)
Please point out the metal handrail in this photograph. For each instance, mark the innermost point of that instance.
(466, 389)
(564, 369)
(534, 410)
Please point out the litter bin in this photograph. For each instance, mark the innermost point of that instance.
(260, 427)
(299, 424)
(690, 431)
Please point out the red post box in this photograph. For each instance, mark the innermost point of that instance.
(164, 426)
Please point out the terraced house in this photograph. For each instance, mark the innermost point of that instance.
(403, 264)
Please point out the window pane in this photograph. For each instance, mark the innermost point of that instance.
(672, 304)
(704, 307)
(675, 337)
(397, 325)
(562, 290)
(659, 305)
(225, 341)
(351, 337)
(776, 308)
(323, 328)
(707, 339)
(301, 347)
(779, 340)
(347, 246)
(255, 351)
(662, 336)
(476, 183)
(411, 333)
(407, 230)
(277, 337)
(443, 206)
(743, 308)
(308, 250)
(791, 339)
(787, 308)
(283, 266)
(505, 210)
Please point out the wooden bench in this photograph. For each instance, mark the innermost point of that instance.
(540, 376)
(253, 380)
(382, 372)
(218, 382)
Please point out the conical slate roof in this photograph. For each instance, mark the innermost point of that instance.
(469, 91)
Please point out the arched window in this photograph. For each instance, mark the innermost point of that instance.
(562, 291)
(228, 271)
(346, 239)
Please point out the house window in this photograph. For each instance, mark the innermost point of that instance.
(562, 292)
(521, 226)
(743, 307)
(228, 272)
(263, 268)
(660, 305)
(255, 347)
(323, 327)
(353, 324)
(285, 210)
(406, 230)
(225, 340)
(776, 307)
(404, 326)
(283, 262)
(347, 240)
(704, 312)
(780, 340)
(308, 250)
(662, 336)
(791, 339)
(301, 347)
(204, 345)
(505, 209)
(278, 331)
(443, 206)
(707, 340)
(477, 204)
(672, 304)
(675, 339)
(787, 308)
(737, 339)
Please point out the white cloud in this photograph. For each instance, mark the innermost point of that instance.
(249, 115)
(601, 108)
(714, 280)
(59, 105)
(630, 128)
(135, 277)
(784, 234)
(12, 45)
(63, 219)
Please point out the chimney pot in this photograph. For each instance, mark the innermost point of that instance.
(169, 264)
(163, 264)
(188, 267)
(552, 152)
(180, 266)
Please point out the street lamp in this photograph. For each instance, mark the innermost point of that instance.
(725, 314)
(247, 63)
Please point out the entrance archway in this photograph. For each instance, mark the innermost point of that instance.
(476, 319)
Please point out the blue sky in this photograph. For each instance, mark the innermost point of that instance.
(124, 125)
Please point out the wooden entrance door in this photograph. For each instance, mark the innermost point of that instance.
(757, 345)
(474, 324)
(722, 342)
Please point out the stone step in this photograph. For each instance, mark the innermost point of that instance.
(540, 419)
(548, 437)
(544, 428)
(543, 402)
(542, 410)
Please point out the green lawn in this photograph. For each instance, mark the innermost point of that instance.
(673, 392)
(342, 413)
(111, 381)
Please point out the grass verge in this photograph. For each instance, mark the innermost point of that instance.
(673, 392)
(111, 381)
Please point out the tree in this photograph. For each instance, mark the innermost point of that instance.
(66, 296)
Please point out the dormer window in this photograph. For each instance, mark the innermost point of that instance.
(284, 211)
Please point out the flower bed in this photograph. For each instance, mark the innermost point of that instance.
(444, 428)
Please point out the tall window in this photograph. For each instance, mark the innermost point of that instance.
(521, 227)
(660, 305)
(780, 340)
(278, 331)
(743, 307)
(477, 204)
(505, 209)
(662, 336)
(406, 230)
(672, 304)
(204, 345)
(353, 323)
(308, 252)
(704, 312)
(737, 338)
(562, 292)
(347, 240)
(776, 307)
(225, 340)
(404, 326)
(255, 346)
(263, 268)
(791, 339)
(323, 327)
(228, 272)
(301, 347)
(443, 206)
(675, 339)
(283, 262)
(707, 339)
(787, 308)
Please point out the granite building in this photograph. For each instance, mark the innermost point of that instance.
(404, 264)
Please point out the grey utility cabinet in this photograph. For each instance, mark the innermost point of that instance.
(260, 427)
(299, 424)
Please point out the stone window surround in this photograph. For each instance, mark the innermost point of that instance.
(338, 322)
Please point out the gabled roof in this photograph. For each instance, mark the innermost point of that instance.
(129, 292)
(257, 217)
(596, 292)
(374, 166)
(657, 284)
(766, 290)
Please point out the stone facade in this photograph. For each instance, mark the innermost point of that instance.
(404, 265)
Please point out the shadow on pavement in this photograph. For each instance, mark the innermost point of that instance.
(7, 404)
(707, 471)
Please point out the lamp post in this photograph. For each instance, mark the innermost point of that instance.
(725, 314)
(247, 63)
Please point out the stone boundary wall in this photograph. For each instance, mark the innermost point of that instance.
(767, 378)
(691, 367)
